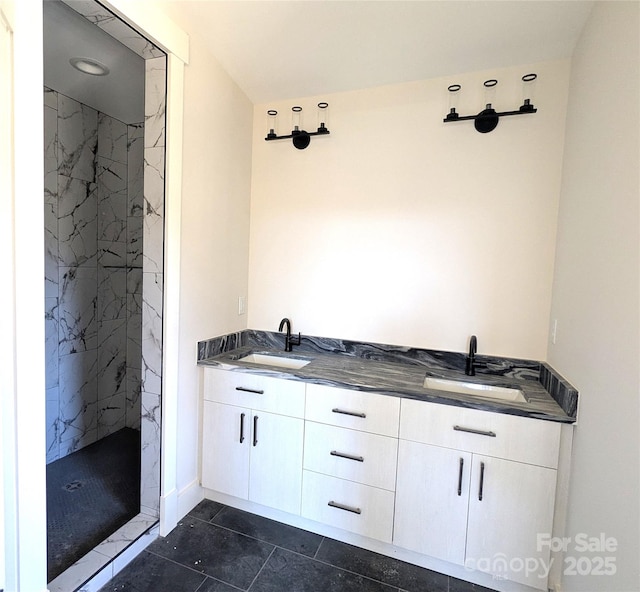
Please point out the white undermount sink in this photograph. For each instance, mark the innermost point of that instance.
(275, 361)
(485, 391)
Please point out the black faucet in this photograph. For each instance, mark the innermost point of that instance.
(289, 340)
(470, 370)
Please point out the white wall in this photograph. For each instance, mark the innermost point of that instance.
(401, 229)
(596, 289)
(215, 229)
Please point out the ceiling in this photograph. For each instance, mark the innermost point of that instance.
(278, 50)
(66, 34)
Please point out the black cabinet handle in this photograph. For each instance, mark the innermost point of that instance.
(255, 430)
(244, 389)
(241, 428)
(351, 413)
(345, 455)
(481, 481)
(460, 476)
(458, 428)
(345, 508)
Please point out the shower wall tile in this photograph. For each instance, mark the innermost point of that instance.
(153, 227)
(112, 358)
(152, 333)
(111, 414)
(112, 254)
(112, 138)
(112, 294)
(150, 443)
(51, 257)
(52, 411)
(51, 349)
(78, 399)
(135, 163)
(77, 139)
(77, 221)
(112, 200)
(134, 241)
(50, 98)
(51, 149)
(78, 330)
(134, 386)
(155, 91)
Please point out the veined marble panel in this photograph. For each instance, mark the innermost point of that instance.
(153, 229)
(51, 258)
(112, 138)
(134, 330)
(51, 148)
(51, 348)
(112, 294)
(50, 98)
(111, 414)
(78, 329)
(152, 333)
(112, 254)
(112, 200)
(78, 400)
(134, 241)
(52, 411)
(77, 139)
(155, 91)
(135, 168)
(77, 221)
(150, 453)
(112, 358)
(134, 387)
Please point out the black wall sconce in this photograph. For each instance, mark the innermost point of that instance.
(300, 137)
(487, 120)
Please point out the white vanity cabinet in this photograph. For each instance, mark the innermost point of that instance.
(350, 457)
(476, 488)
(253, 434)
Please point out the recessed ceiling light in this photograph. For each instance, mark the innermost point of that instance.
(89, 66)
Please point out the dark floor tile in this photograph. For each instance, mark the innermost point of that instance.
(206, 510)
(150, 573)
(295, 573)
(270, 531)
(379, 567)
(211, 585)
(217, 552)
(456, 585)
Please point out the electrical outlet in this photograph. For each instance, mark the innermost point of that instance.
(554, 331)
(242, 305)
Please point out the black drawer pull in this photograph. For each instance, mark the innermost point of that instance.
(460, 476)
(255, 430)
(248, 390)
(458, 428)
(345, 508)
(480, 489)
(345, 455)
(352, 413)
(241, 428)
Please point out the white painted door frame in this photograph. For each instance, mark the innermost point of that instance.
(22, 261)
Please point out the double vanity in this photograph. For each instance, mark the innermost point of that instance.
(393, 449)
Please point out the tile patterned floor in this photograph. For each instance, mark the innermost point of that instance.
(216, 548)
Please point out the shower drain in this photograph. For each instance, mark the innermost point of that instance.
(73, 485)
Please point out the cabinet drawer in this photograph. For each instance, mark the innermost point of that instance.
(511, 437)
(263, 393)
(348, 454)
(367, 412)
(351, 506)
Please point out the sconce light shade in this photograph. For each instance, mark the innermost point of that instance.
(300, 138)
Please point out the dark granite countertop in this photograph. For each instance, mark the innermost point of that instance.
(399, 372)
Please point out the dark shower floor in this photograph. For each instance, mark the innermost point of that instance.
(90, 494)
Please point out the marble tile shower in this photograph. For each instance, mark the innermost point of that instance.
(104, 221)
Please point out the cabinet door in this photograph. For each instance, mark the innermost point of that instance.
(510, 503)
(226, 443)
(432, 495)
(276, 461)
